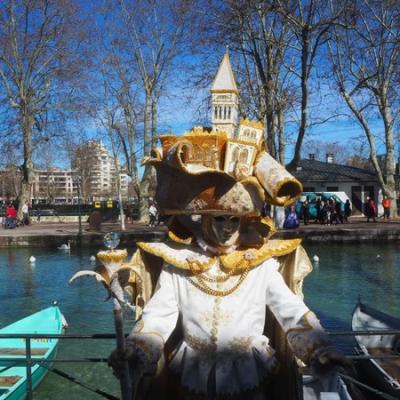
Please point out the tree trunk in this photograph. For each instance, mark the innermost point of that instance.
(304, 99)
(146, 127)
(27, 166)
(154, 137)
(145, 183)
(390, 188)
(146, 191)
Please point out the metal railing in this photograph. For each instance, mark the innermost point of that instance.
(29, 362)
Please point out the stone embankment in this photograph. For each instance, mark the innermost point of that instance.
(52, 235)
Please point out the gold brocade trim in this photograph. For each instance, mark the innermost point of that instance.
(170, 259)
(178, 239)
(112, 255)
(242, 259)
(239, 260)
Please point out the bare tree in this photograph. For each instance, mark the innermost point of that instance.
(310, 21)
(365, 59)
(39, 57)
(148, 39)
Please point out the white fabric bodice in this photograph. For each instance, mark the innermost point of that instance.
(222, 334)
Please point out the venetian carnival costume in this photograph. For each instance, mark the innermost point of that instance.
(209, 315)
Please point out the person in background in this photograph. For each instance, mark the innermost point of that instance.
(306, 211)
(37, 215)
(292, 220)
(25, 214)
(372, 212)
(347, 210)
(386, 207)
(339, 212)
(152, 214)
(11, 217)
(318, 206)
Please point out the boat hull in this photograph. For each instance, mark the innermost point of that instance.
(380, 374)
(48, 321)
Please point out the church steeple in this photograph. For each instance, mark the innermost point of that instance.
(225, 99)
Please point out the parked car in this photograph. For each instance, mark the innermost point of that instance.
(340, 197)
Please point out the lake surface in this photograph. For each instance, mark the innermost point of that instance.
(344, 272)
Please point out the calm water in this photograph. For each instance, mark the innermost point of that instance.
(331, 290)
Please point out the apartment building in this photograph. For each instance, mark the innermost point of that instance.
(95, 176)
(99, 172)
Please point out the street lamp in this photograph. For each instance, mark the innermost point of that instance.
(78, 181)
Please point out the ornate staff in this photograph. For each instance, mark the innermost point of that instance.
(112, 274)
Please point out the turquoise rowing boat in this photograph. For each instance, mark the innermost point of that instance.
(13, 374)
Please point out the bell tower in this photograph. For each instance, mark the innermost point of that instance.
(225, 99)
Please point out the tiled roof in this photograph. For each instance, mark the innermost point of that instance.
(318, 171)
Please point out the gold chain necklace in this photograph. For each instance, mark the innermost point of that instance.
(196, 269)
(218, 278)
(201, 285)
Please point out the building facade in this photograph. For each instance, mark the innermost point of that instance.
(100, 173)
(95, 176)
(359, 184)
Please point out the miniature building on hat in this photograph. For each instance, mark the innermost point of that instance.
(225, 99)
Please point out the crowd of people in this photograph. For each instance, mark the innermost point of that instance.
(11, 219)
(332, 212)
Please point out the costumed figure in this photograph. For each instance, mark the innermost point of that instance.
(219, 305)
(205, 291)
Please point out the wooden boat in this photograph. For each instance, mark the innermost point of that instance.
(382, 373)
(13, 382)
(333, 387)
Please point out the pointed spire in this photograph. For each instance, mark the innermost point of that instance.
(224, 80)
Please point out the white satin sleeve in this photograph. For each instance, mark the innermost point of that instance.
(160, 314)
(287, 307)
(304, 332)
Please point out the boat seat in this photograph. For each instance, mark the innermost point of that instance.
(9, 380)
(20, 351)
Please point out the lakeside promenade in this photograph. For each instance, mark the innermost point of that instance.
(53, 234)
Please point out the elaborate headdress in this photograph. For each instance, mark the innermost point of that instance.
(204, 172)
(221, 170)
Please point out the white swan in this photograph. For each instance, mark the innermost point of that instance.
(316, 258)
(65, 246)
(32, 259)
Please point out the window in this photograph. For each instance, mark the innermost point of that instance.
(225, 112)
(308, 189)
(229, 112)
(332, 189)
(215, 112)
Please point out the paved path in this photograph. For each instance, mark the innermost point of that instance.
(69, 228)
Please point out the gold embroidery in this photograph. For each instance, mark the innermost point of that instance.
(202, 346)
(240, 344)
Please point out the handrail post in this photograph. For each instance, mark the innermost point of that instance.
(29, 394)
